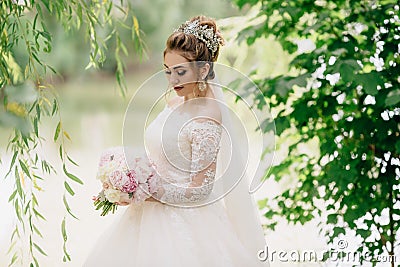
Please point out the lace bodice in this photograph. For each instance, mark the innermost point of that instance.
(184, 152)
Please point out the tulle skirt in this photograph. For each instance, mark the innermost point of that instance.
(154, 234)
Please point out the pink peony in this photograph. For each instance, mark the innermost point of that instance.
(131, 185)
(125, 177)
(118, 179)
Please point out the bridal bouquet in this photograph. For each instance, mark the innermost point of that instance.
(125, 178)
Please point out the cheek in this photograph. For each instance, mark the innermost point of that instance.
(189, 77)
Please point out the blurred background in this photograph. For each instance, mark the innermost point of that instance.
(92, 112)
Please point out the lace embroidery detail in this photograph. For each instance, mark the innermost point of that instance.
(204, 137)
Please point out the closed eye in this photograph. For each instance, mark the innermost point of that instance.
(181, 73)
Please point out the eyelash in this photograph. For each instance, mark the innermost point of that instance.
(180, 73)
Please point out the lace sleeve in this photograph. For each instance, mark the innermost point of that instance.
(205, 136)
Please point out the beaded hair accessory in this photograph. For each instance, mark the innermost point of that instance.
(203, 33)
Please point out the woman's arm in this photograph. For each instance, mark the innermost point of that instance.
(205, 139)
(152, 199)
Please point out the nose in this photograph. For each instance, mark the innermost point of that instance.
(173, 79)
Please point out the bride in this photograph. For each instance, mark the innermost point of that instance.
(201, 213)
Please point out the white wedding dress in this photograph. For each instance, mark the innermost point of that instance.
(161, 235)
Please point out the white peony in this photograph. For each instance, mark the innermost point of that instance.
(102, 174)
(112, 195)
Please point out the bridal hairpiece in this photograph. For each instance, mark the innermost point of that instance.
(202, 32)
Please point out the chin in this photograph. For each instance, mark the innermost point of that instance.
(181, 92)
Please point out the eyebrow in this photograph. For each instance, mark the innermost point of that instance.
(177, 67)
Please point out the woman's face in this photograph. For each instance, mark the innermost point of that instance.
(181, 74)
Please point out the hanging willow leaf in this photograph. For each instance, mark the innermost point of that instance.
(73, 162)
(26, 24)
(38, 111)
(36, 262)
(57, 132)
(27, 206)
(39, 249)
(55, 107)
(12, 162)
(66, 256)
(60, 150)
(35, 127)
(69, 189)
(12, 196)
(63, 231)
(71, 176)
(67, 135)
(68, 208)
(136, 25)
(15, 233)
(37, 231)
(18, 211)
(18, 183)
(38, 214)
(14, 258)
(34, 200)
(25, 168)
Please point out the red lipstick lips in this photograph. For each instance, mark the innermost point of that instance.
(178, 87)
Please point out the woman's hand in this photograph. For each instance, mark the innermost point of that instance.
(152, 199)
(106, 185)
(123, 203)
(124, 200)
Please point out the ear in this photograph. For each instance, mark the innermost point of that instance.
(204, 71)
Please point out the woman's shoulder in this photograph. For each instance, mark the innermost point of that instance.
(209, 112)
(203, 110)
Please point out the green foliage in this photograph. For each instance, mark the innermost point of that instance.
(157, 28)
(26, 40)
(343, 95)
